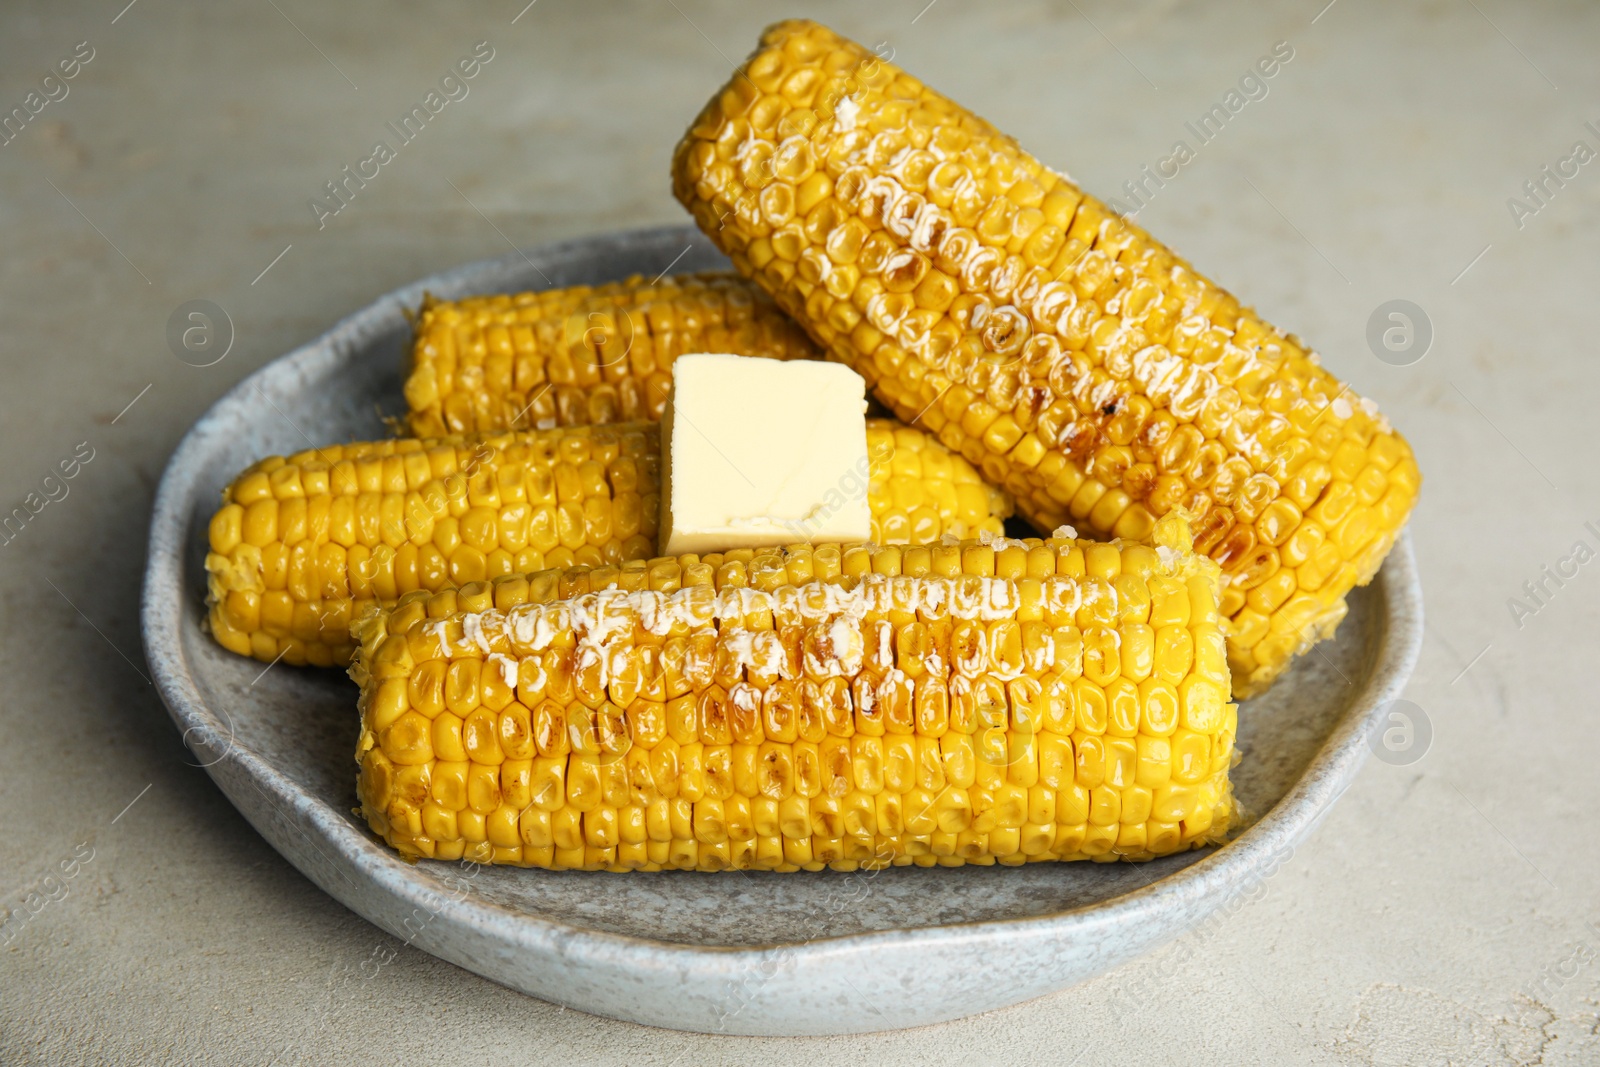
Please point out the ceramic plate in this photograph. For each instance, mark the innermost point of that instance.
(733, 952)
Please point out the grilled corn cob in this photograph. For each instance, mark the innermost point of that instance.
(302, 543)
(778, 709)
(582, 355)
(1073, 358)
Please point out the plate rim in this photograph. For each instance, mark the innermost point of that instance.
(1325, 778)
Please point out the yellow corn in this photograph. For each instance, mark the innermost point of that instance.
(814, 706)
(1077, 361)
(921, 491)
(582, 355)
(302, 543)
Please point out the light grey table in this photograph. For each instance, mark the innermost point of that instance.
(1444, 913)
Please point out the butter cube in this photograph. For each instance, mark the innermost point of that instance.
(763, 452)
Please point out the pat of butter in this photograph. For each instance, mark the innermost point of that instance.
(763, 452)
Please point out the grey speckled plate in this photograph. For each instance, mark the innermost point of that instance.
(745, 953)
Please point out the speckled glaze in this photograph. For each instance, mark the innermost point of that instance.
(738, 953)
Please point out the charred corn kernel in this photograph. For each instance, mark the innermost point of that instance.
(582, 355)
(1068, 355)
(435, 530)
(855, 720)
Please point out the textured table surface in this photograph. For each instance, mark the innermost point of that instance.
(1444, 912)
